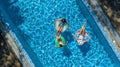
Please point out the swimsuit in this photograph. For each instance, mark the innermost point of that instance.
(79, 40)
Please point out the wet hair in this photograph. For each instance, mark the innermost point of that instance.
(61, 45)
(64, 20)
(59, 39)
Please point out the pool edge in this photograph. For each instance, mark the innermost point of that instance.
(102, 29)
(13, 42)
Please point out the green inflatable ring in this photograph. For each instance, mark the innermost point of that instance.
(63, 41)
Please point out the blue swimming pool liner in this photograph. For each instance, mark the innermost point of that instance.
(90, 16)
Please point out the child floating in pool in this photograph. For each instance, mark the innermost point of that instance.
(81, 35)
(60, 41)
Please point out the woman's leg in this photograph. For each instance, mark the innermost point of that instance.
(82, 31)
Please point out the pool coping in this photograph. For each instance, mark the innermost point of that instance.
(103, 30)
(106, 22)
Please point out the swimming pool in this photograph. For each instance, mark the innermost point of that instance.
(38, 31)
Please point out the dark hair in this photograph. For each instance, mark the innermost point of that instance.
(61, 45)
(63, 20)
(59, 39)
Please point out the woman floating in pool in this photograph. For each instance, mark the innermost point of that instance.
(61, 25)
(81, 35)
(60, 41)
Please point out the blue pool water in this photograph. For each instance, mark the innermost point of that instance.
(38, 31)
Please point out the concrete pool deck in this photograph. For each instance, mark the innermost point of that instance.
(113, 14)
(107, 27)
(7, 56)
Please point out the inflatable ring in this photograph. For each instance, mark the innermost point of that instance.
(86, 38)
(60, 21)
(57, 42)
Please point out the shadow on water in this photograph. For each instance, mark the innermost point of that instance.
(12, 11)
(66, 51)
(68, 36)
(84, 48)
